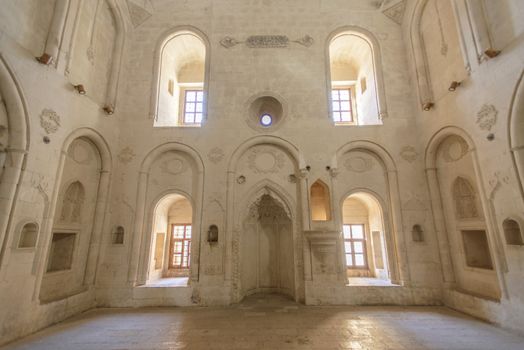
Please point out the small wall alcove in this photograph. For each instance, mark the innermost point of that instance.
(320, 201)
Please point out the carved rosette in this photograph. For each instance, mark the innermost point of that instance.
(487, 117)
(49, 121)
(454, 149)
(174, 166)
(263, 160)
(409, 154)
(126, 155)
(216, 155)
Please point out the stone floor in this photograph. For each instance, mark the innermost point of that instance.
(272, 322)
(169, 282)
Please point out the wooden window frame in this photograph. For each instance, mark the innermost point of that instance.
(352, 253)
(172, 241)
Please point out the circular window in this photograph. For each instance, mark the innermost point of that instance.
(266, 119)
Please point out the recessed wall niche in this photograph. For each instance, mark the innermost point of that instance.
(417, 233)
(476, 249)
(512, 232)
(61, 254)
(28, 235)
(320, 202)
(118, 235)
(265, 112)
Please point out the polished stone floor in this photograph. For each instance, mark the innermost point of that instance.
(272, 322)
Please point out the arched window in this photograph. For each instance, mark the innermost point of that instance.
(364, 239)
(356, 90)
(320, 203)
(181, 92)
(172, 237)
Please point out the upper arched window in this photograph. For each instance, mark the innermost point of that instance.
(181, 91)
(356, 90)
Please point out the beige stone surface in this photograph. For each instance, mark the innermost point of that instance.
(273, 322)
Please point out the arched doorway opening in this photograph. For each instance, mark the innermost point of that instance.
(365, 248)
(266, 249)
(171, 237)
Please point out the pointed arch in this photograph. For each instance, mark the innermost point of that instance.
(515, 131)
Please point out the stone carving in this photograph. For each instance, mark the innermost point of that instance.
(487, 117)
(229, 42)
(358, 164)
(263, 160)
(454, 149)
(306, 41)
(216, 155)
(496, 182)
(40, 183)
(396, 12)
(241, 179)
(137, 13)
(212, 270)
(90, 53)
(49, 120)
(79, 151)
(414, 202)
(266, 41)
(72, 204)
(126, 155)
(409, 153)
(267, 208)
(174, 166)
(464, 197)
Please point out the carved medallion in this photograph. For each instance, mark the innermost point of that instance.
(454, 149)
(409, 154)
(174, 166)
(487, 117)
(263, 160)
(229, 42)
(126, 155)
(358, 164)
(80, 152)
(49, 120)
(216, 155)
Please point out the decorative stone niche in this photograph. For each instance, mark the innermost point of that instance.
(62, 250)
(212, 234)
(417, 233)
(118, 235)
(265, 113)
(512, 232)
(28, 236)
(476, 249)
(320, 203)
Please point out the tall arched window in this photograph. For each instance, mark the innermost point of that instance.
(356, 89)
(181, 81)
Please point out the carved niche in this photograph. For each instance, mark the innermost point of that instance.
(73, 202)
(464, 198)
